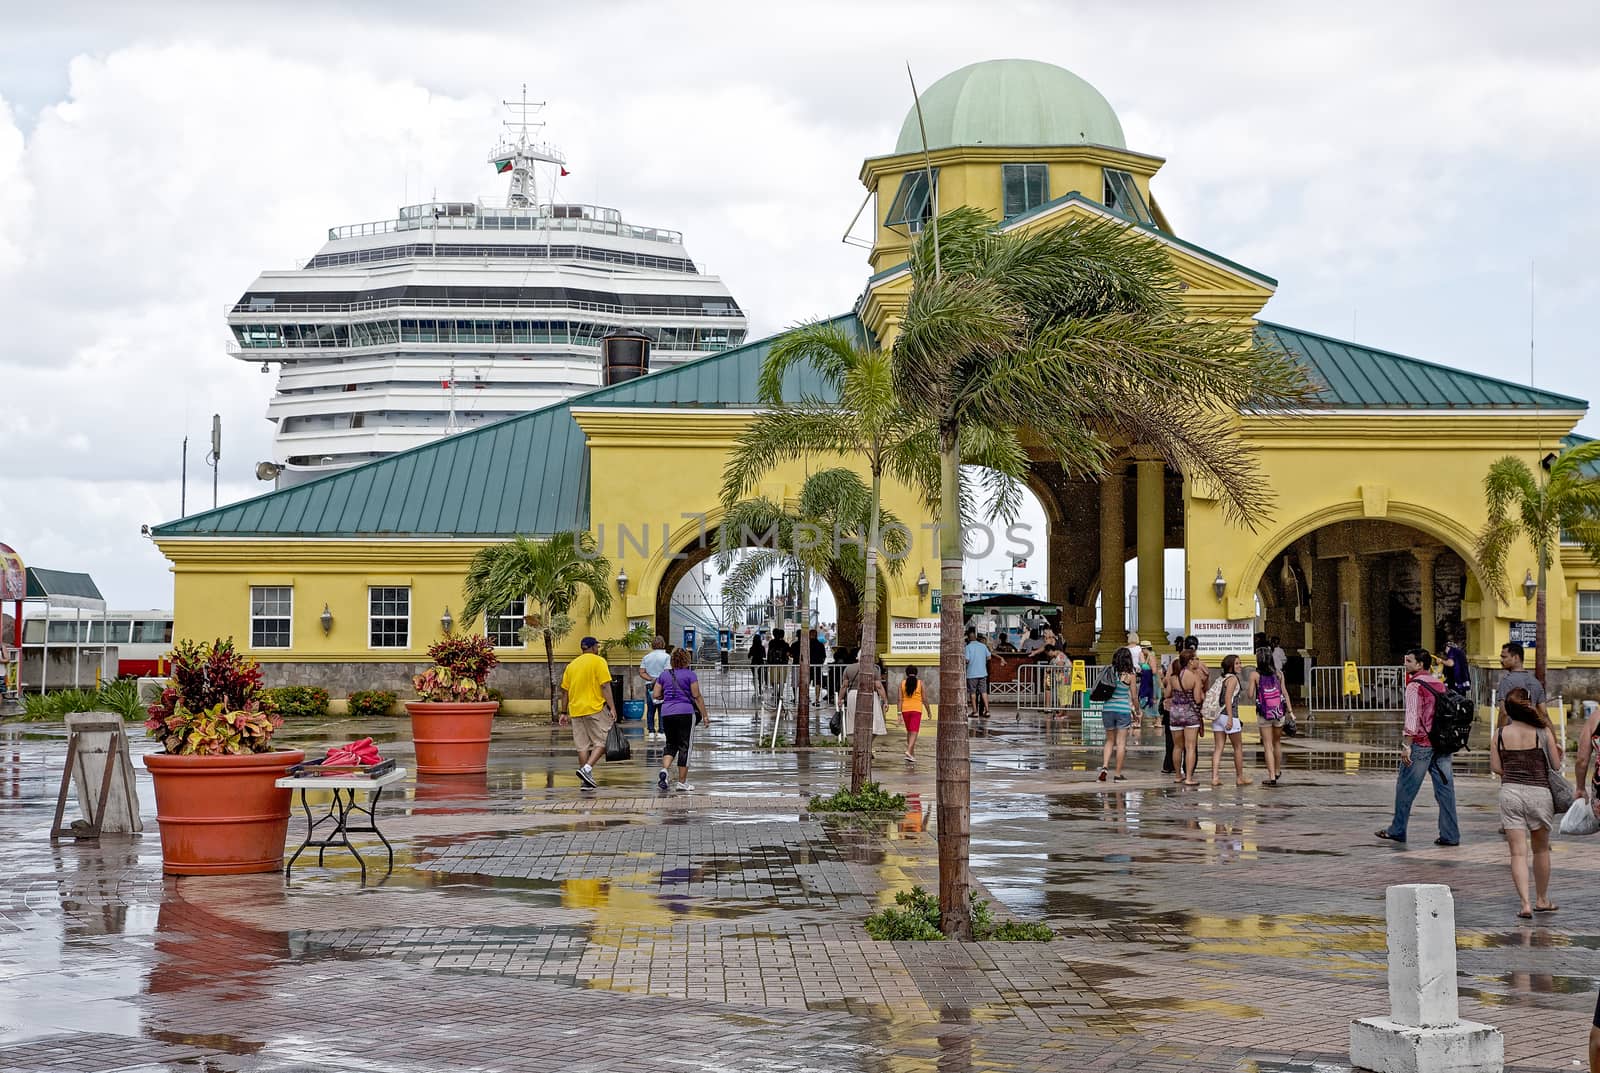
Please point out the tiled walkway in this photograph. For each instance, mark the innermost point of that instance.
(531, 926)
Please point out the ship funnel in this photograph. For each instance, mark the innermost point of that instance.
(624, 355)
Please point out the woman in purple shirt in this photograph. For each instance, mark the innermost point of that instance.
(678, 692)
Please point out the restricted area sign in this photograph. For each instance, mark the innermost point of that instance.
(1352, 680)
(1080, 677)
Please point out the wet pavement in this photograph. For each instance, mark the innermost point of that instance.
(529, 925)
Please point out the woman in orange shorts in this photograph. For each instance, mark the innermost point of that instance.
(911, 710)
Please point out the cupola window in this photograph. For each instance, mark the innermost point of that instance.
(1122, 195)
(1024, 187)
(912, 206)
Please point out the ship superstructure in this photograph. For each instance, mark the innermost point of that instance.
(459, 313)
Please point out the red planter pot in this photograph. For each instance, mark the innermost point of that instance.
(451, 739)
(221, 815)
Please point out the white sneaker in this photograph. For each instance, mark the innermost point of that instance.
(683, 787)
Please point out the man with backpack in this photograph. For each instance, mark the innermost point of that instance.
(1423, 754)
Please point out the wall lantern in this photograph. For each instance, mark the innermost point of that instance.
(1529, 586)
(922, 584)
(1219, 586)
(327, 620)
(446, 621)
(622, 583)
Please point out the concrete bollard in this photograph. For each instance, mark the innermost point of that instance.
(1424, 1032)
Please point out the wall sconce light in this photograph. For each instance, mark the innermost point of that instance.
(446, 621)
(922, 583)
(1529, 586)
(622, 583)
(1219, 586)
(326, 619)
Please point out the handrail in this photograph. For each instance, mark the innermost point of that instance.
(480, 303)
(507, 220)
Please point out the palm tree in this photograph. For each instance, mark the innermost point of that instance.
(831, 531)
(1561, 505)
(864, 419)
(1074, 336)
(549, 576)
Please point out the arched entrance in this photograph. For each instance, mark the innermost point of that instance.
(1364, 590)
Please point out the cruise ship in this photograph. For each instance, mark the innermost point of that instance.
(460, 313)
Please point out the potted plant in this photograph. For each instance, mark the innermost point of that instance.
(219, 812)
(454, 711)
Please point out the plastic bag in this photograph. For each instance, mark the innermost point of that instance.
(1580, 819)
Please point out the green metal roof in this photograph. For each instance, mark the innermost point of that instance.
(1364, 378)
(1011, 102)
(64, 587)
(528, 474)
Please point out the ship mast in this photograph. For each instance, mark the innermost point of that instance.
(518, 155)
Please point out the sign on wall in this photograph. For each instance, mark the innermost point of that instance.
(1221, 636)
(914, 636)
(1525, 633)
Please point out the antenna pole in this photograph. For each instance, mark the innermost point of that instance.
(183, 482)
(927, 169)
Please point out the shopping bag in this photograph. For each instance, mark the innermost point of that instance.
(617, 747)
(1580, 819)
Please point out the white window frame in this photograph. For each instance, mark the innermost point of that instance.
(1593, 620)
(371, 618)
(254, 618)
(517, 611)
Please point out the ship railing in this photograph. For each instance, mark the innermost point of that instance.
(423, 304)
(509, 220)
(270, 351)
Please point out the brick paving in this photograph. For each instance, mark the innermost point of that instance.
(530, 925)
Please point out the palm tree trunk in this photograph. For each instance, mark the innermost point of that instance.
(867, 672)
(550, 669)
(1542, 645)
(802, 707)
(954, 773)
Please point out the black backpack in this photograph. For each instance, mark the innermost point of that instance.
(1452, 720)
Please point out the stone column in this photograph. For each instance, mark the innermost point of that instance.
(1425, 558)
(1151, 535)
(1113, 574)
(1350, 595)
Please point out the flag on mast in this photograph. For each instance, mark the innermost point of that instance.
(565, 173)
(502, 166)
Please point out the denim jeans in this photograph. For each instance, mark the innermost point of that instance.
(652, 709)
(1424, 765)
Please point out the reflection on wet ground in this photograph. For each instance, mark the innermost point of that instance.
(728, 921)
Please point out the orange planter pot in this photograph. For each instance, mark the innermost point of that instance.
(451, 739)
(221, 815)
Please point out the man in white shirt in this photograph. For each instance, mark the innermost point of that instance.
(651, 666)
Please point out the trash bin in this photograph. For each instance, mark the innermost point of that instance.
(633, 709)
(619, 688)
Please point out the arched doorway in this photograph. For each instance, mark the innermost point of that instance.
(1364, 590)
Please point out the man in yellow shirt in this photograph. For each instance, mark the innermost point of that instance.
(587, 684)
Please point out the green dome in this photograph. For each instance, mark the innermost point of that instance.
(1011, 102)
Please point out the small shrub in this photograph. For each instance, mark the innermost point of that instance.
(122, 697)
(461, 665)
(371, 703)
(297, 702)
(918, 919)
(872, 798)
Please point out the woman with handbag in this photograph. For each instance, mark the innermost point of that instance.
(677, 690)
(1116, 711)
(1186, 691)
(1524, 755)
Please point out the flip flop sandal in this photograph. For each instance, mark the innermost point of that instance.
(1524, 916)
(1545, 908)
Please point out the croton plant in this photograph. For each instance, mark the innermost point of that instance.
(212, 704)
(461, 667)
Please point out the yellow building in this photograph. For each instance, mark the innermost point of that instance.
(1369, 550)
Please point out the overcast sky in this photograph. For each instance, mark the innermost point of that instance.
(1398, 168)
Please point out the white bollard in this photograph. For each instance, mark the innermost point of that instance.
(1424, 1032)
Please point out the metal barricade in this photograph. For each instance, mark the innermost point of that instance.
(1379, 689)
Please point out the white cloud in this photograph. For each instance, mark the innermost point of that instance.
(1405, 161)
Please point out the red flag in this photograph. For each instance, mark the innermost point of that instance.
(565, 173)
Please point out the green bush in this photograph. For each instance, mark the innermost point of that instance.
(370, 703)
(298, 702)
(122, 697)
(872, 798)
(918, 919)
(56, 705)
